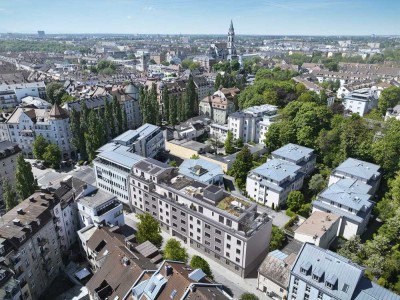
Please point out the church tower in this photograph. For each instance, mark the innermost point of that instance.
(231, 43)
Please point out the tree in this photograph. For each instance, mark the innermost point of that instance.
(218, 81)
(173, 111)
(389, 98)
(215, 141)
(124, 120)
(25, 183)
(241, 166)
(39, 146)
(52, 155)
(191, 105)
(172, 163)
(195, 156)
(229, 149)
(55, 92)
(316, 183)
(95, 136)
(235, 65)
(148, 229)
(353, 249)
(117, 113)
(9, 197)
(174, 251)
(295, 200)
(197, 262)
(109, 117)
(239, 143)
(277, 238)
(248, 296)
(166, 105)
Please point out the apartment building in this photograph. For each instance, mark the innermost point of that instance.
(361, 101)
(298, 155)
(29, 244)
(10, 288)
(24, 124)
(220, 105)
(8, 163)
(348, 198)
(115, 159)
(100, 208)
(225, 228)
(202, 170)
(11, 94)
(362, 171)
(321, 274)
(271, 183)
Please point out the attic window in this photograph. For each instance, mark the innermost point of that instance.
(345, 288)
(329, 285)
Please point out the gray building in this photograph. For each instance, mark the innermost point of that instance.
(8, 163)
(321, 274)
(225, 228)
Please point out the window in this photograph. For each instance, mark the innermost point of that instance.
(183, 214)
(315, 277)
(228, 246)
(237, 251)
(296, 281)
(306, 296)
(302, 270)
(217, 240)
(200, 209)
(328, 285)
(218, 231)
(207, 235)
(173, 209)
(239, 242)
(320, 295)
(227, 254)
(228, 237)
(221, 219)
(308, 288)
(198, 230)
(217, 249)
(228, 222)
(207, 226)
(237, 259)
(345, 288)
(191, 218)
(294, 291)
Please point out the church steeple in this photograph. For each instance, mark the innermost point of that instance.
(231, 43)
(231, 29)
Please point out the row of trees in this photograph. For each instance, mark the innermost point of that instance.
(25, 184)
(91, 129)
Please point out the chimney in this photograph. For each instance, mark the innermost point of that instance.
(31, 199)
(43, 196)
(16, 222)
(20, 211)
(168, 270)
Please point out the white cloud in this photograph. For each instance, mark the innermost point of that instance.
(148, 8)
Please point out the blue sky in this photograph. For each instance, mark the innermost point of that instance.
(267, 17)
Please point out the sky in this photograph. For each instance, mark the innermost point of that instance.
(263, 17)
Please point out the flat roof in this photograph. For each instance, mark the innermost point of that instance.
(119, 154)
(277, 169)
(96, 199)
(293, 152)
(317, 224)
(200, 169)
(359, 168)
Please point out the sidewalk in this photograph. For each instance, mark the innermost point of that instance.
(232, 281)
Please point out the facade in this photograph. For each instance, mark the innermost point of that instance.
(349, 199)
(128, 98)
(115, 159)
(249, 124)
(202, 170)
(274, 274)
(144, 59)
(271, 183)
(320, 229)
(321, 274)
(36, 102)
(220, 105)
(11, 94)
(361, 101)
(29, 243)
(100, 208)
(25, 124)
(225, 228)
(364, 172)
(298, 155)
(8, 163)
(231, 43)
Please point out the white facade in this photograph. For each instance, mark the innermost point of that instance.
(8, 163)
(361, 101)
(11, 94)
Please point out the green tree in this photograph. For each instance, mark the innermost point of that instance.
(277, 238)
(235, 65)
(78, 138)
(166, 105)
(241, 166)
(229, 148)
(316, 183)
(110, 120)
(295, 200)
(148, 229)
(389, 98)
(239, 143)
(172, 163)
(197, 262)
(117, 113)
(248, 296)
(25, 183)
(55, 92)
(9, 197)
(192, 104)
(95, 136)
(174, 251)
(218, 81)
(124, 120)
(52, 155)
(39, 146)
(195, 156)
(173, 111)
(353, 249)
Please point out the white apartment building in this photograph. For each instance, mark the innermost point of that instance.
(100, 208)
(361, 101)
(271, 183)
(8, 163)
(225, 228)
(115, 159)
(24, 124)
(11, 94)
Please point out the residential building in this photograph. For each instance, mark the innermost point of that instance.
(203, 87)
(361, 101)
(144, 58)
(189, 130)
(29, 243)
(364, 172)
(23, 125)
(11, 94)
(225, 228)
(100, 208)
(8, 163)
(219, 105)
(321, 274)
(202, 170)
(393, 113)
(349, 199)
(298, 155)
(274, 274)
(320, 229)
(35, 102)
(271, 183)
(246, 124)
(115, 159)
(10, 288)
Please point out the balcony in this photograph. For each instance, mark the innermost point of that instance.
(16, 261)
(42, 241)
(108, 208)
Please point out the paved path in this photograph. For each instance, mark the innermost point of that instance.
(236, 284)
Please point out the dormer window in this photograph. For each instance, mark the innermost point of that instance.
(328, 285)
(305, 267)
(315, 277)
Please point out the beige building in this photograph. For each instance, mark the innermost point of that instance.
(320, 229)
(8, 163)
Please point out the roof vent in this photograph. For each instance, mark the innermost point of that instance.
(32, 199)
(17, 222)
(42, 196)
(20, 211)
(168, 270)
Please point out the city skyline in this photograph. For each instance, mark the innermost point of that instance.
(250, 17)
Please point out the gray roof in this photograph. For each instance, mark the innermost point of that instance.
(293, 152)
(130, 136)
(358, 168)
(336, 210)
(276, 266)
(355, 185)
(96, 199)
(200, 169)
(369, 290)
(335, 267)
(346, 196)
(277, 169)
(119, 154)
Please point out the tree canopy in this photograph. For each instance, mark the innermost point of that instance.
(39, 146)
(25, 183)
(197, 262)
(173, 250)
(148, 229)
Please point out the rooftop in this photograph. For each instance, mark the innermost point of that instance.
(276, 169)
(359, 168)
(293, 152)
(129, 137)
(200, 169)
(8, 148)
(276, 266)
(119, 154)
(233, 205)
(317, 224)
(96, 199)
